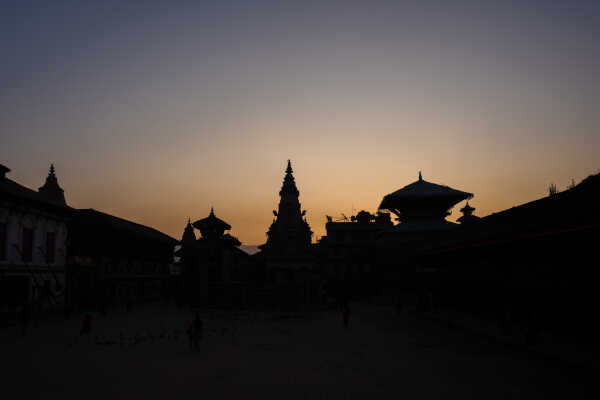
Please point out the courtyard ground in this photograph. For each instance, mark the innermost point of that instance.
(144, 354)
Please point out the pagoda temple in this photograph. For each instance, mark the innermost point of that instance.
(421, 209)
(423, 205)
(214, 268)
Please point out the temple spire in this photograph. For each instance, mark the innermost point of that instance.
(420, 176)
(211, 226)
(188, 234)
(51, 189)
(289, 233)
(289, 184)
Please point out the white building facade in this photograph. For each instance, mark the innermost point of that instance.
(33, 244)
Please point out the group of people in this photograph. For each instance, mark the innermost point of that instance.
(194, 331)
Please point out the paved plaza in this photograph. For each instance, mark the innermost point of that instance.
(145, 354)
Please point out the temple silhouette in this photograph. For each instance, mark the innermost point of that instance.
(289, 236)
(215, 271)
(288, 255)
(525, 270)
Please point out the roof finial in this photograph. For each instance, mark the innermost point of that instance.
(212, 211)
(289, 170)
(51, 170)
(420, 176)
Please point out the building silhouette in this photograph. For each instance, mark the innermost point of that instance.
(421, 209)
(423, 206)
(287, 259)
(528, 268)
(51, 190)
(347, 255)
(113, 262)
(289, 236)
(33, 245)
(215, 271)
(55, 257)
(287, 251)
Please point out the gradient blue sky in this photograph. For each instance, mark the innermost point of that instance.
(154, 111)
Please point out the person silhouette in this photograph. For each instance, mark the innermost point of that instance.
(190, 333)
(346, 314)
(86, 325)
(24, 319)
(197, 332)
(398, 306)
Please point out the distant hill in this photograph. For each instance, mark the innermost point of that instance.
(250, 249)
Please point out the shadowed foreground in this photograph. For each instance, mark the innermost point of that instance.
(276, 355)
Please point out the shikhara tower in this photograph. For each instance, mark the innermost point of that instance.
(289, 235)
(51, 190)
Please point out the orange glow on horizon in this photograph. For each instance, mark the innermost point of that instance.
(249, 211)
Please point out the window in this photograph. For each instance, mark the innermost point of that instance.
(27, 247)
(2, 241)
(50, 246)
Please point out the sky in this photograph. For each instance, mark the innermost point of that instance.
(156, 111)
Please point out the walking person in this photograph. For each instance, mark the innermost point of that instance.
(24, 319)
(346, 314)
(398, 306)
(190, 334)
(197, 332)
(86, 325)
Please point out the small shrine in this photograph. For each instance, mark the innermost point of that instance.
(467, 217)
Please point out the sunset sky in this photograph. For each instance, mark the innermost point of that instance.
(154, 111)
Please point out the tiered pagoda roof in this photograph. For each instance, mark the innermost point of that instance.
(422, 200)
(211, 225)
